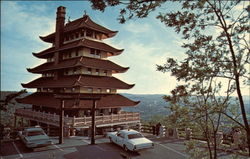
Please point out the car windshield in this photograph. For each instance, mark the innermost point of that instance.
(134, 136)
(34, 133)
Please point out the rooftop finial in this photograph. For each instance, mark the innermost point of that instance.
(69, 19)
(85, 13)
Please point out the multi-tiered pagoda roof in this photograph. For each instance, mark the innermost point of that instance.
(77, 64)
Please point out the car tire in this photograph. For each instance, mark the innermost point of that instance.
(110, 139)
(125, 148)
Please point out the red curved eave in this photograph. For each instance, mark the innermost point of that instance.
(82, 43)
(49, 100)
(78, 80)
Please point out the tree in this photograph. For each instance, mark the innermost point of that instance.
(4, 103)
(210, 56)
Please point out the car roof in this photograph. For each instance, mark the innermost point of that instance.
(130, 131)
(34, 129)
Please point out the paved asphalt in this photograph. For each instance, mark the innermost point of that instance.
(80, 148)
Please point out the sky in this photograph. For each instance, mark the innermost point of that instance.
(146, 42)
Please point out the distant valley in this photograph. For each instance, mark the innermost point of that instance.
(149, 105)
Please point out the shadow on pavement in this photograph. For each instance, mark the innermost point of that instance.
(100, 151)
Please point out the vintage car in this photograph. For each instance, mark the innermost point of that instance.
(130, 140)
(34, 137)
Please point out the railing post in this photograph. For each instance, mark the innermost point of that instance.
(84, 120)
(126, 115)
(73, 121)
(176, 133)
(111, 117)
(54, 117)
(102, 118)
(49, 116)
(188, 133)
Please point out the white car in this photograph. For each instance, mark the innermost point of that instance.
(130, 140)
(34, 137)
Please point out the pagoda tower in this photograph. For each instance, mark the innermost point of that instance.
(77, 65)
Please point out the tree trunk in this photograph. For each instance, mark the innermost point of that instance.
(237, 80)
(236, 74)
(215, 145)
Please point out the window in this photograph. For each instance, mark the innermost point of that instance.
(92, 51)
(67, 38)
(77, 35)
(65, 55)
(120, 135)
(108, 90)
(73, 89)
(99, 90)
(97, 72)
(98, 54)
(105, 73)
(89, 33)
(69, 55)
(90, 90)
(74, 71)
(38, 89)
(134, 136)
(77, 52)
(89, 71)
(82, 33)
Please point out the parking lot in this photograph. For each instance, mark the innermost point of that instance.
(80, 148)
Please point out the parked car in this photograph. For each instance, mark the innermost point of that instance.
(130, 140)
(34, 137)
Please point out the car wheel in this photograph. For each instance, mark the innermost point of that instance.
(125, 148)
(110, 139)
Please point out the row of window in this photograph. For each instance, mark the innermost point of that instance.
(82, 33)
(78, 71)
(48, 75)
(77, 90)
(88, 71)
(83, 52)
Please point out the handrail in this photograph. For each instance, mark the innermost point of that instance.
(78, 121)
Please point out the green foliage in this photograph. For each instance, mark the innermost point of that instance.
(195, 152)
(217, 47)
(133, 8)
(8, 106)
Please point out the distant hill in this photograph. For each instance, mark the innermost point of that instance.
(149, 106)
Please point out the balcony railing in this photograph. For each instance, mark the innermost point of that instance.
(53, 119)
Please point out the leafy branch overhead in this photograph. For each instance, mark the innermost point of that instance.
(217, 54)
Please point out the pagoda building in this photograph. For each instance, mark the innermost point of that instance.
(77, 64)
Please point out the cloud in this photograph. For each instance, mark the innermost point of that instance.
(29, 22)
(137, 27)
(21, 26)
(142, 59)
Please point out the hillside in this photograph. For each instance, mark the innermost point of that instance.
(149, 106)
